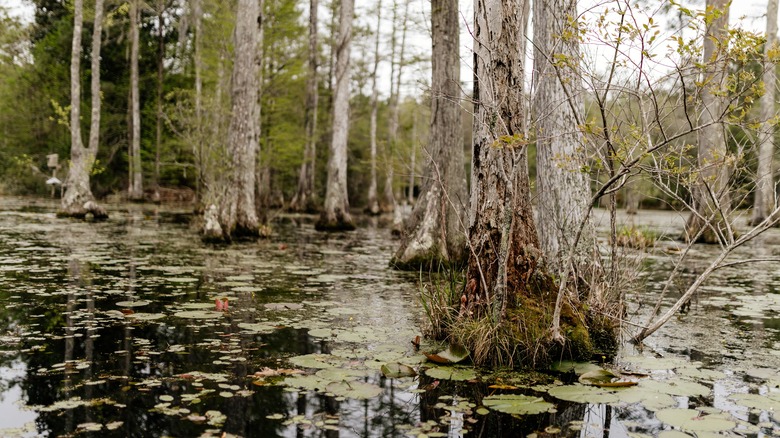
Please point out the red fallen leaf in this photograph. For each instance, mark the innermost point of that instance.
(416, 343)
(282, 246)
(127, 311)
(269, 372)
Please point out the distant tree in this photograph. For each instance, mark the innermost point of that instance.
(563, 186)
(304, 198)
(710, 218)
(435, 231)
(77, 200)
(231, 209)
(373, 200)
(135, 189)
(335, 215)
(765, 189)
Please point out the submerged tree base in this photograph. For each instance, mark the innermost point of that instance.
(82, 211)
(522, 337)
(338, 222)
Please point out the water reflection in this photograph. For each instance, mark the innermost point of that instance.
(92, 338)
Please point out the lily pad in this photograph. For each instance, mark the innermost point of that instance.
(316, 361)
(146, 316)
(257, 327)
(283, 306)
(678, 387)
(355, 390)
(396, 370)
(578, 368)
(517, 404)
(650, 400)
(451, 373)
(692, 420)
(139, 303)
(198, 314)
(583, 394)
(310, 383)
(453, 354)
(604, 378)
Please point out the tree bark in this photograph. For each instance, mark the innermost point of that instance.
(395, 85)
(335, 215)
(504, 248)
(563, 188)
(373, 200)
(78, 201)
(712, 203)
(135, 190)
(160, 72)
(197, 12)
(434, 232)
(765, 188)
(233, 213)
(304, 199)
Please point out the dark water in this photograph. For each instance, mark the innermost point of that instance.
(111, 329)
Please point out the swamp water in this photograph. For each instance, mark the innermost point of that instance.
(111, 329)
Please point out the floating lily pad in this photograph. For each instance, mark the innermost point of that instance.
(517, 404)
(321, 333)
(604, 378)
(356, 390)
(257, 327)
(692, 420)
(316, 361)
(650, 400)
(339, 374)
(139, 303)
(451, 373)
(678, 387)
(578, 368)
(310, 383)
(583, 394)
(146, 316)
(199, 314)
(283, 306)
(768, 402)
(453, 354)
(396, 370)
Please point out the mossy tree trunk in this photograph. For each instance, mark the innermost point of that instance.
(563, 188)
(232, 211)
(709, 222)
(434, 232)
(507, 304)
(765, 187)
(335, 215)
(304, 199)
(78, 201)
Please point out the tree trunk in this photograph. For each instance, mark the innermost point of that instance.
(78, 201)
(563, 188)
(160, 71)
(765, 188)
(412, 162)
(712, 204)
(335, 215)
(234, 208)
(434, 232)
(197, 12)
(135, 190)
(304, 199)
(395, 82)
(373, 201)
